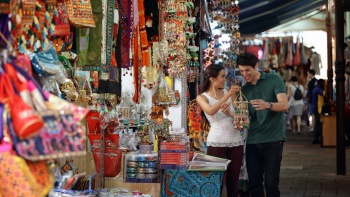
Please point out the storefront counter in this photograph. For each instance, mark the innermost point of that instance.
(191, 183)
(329, 130)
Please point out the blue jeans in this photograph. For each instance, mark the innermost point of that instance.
(264, 161)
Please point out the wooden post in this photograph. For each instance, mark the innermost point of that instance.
(329, 50)
(340, 89)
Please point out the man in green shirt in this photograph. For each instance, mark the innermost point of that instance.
(268, 101)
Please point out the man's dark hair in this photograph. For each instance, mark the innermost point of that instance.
(312, 71)
(321, 83)
(294, 79)
(247, 59)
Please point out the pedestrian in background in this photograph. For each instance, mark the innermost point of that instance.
(296, 105)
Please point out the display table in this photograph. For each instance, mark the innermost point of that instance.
(329, 130)
(191, 183)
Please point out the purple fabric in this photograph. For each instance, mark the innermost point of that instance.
(4, 27)
(1, 121)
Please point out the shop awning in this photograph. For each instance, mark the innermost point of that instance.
(258, 16)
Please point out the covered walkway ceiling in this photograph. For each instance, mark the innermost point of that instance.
(257, 16)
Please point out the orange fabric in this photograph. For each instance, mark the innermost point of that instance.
(42, 175)
(143, 35)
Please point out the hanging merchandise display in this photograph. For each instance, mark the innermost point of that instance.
(225, 27)
(241, 118)
(177, 33)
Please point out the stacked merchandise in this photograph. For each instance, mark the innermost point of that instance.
(141, 167)
(173, 155)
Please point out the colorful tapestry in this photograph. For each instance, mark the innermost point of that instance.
(191, 183)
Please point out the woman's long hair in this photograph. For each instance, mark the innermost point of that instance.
(212, 70)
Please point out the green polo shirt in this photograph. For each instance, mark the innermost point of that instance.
(265, 125)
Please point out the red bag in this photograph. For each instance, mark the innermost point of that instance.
(93, 121)
(25, 122)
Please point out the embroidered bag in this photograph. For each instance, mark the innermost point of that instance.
(80, 13)
(60, 137)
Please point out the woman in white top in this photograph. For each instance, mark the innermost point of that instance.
(296, 106)
(223, 140)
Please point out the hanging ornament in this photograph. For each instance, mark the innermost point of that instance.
(241, 115)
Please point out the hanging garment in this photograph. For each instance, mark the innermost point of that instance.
(296, 58)
(303, 58)
(95, 40)
(289, 58)
(82, 45)
(316, 63)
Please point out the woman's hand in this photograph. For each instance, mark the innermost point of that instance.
(225, 108)
(234, 89)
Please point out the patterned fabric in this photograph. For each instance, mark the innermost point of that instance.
(15, 177)
(191, 183)
(125, 13)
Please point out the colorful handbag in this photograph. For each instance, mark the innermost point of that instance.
(25, 122)
(60, 137)
(80, 13)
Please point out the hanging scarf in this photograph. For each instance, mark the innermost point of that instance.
(146, 59)
(125, 11)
